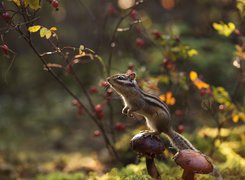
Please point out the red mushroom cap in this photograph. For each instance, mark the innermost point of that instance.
(193, 161)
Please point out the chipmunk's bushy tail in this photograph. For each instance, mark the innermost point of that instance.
(180, 141)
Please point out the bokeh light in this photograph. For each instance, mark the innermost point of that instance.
(168, 4)
(125, 4)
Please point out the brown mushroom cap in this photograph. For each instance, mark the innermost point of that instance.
(193, 161)
(147, 144)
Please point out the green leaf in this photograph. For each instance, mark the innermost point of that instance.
(48, 34)
(33, 29)
(43, 32)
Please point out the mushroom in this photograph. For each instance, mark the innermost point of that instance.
(148, 145)
(193, 162)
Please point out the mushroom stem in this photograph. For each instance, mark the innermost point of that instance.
(188, 175)
(152, 169)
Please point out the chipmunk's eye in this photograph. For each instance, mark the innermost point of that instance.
(120, 78)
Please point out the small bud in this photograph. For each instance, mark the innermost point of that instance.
(55, 4)
(134, 14)
(169, 64)
(137, 29)
(206, 91)
(98, 108)
(181, 128)
(120, 126)
(177, 39)
(80, 110)
(93, 90)
(222, 107)
(109, 92)
(104, 84)
(111, 9)
(75, 102)
(5, 49)
(68, 69)
(157, 35)
(6, 16)
(97, 133)
(100, 115)
(140, 42)
(179, 113)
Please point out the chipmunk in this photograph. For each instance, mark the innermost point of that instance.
(156, 112)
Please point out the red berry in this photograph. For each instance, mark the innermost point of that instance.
(97, 133)
(181, 128)
(137, 29)
(5, 49)
(111, 9)
(109, 92)
(169, 64)
(6, 16)
(222, 107)
(120, 126)
(55, 4)
(93, 90)
(179, 113)
(98, 108)
(68, 68)
(205, 91)
(177, 39)
(100, 115)
(75, 102)
(134, 14)
(104, 84)
(156, 34)
(140, 42)
(80, 110)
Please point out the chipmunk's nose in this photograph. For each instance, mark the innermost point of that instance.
(108, 79)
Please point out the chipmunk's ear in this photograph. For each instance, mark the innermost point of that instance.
(132, 75)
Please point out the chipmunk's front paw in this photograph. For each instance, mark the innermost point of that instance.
(125, 110)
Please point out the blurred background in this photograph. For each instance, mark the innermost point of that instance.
(41, 131)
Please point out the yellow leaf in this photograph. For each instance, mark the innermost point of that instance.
(33, 4)
(200, 84)
(53, 29)
(197, 82)
(193, 75)
(162, 97)
(34, 28)
(235, 118)
(81, 48)
(224, 29)
(168, 98)
(48, 34)
(192, 52)
(17, 2)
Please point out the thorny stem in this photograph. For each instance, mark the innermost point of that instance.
(109, 146)
(113, 38)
